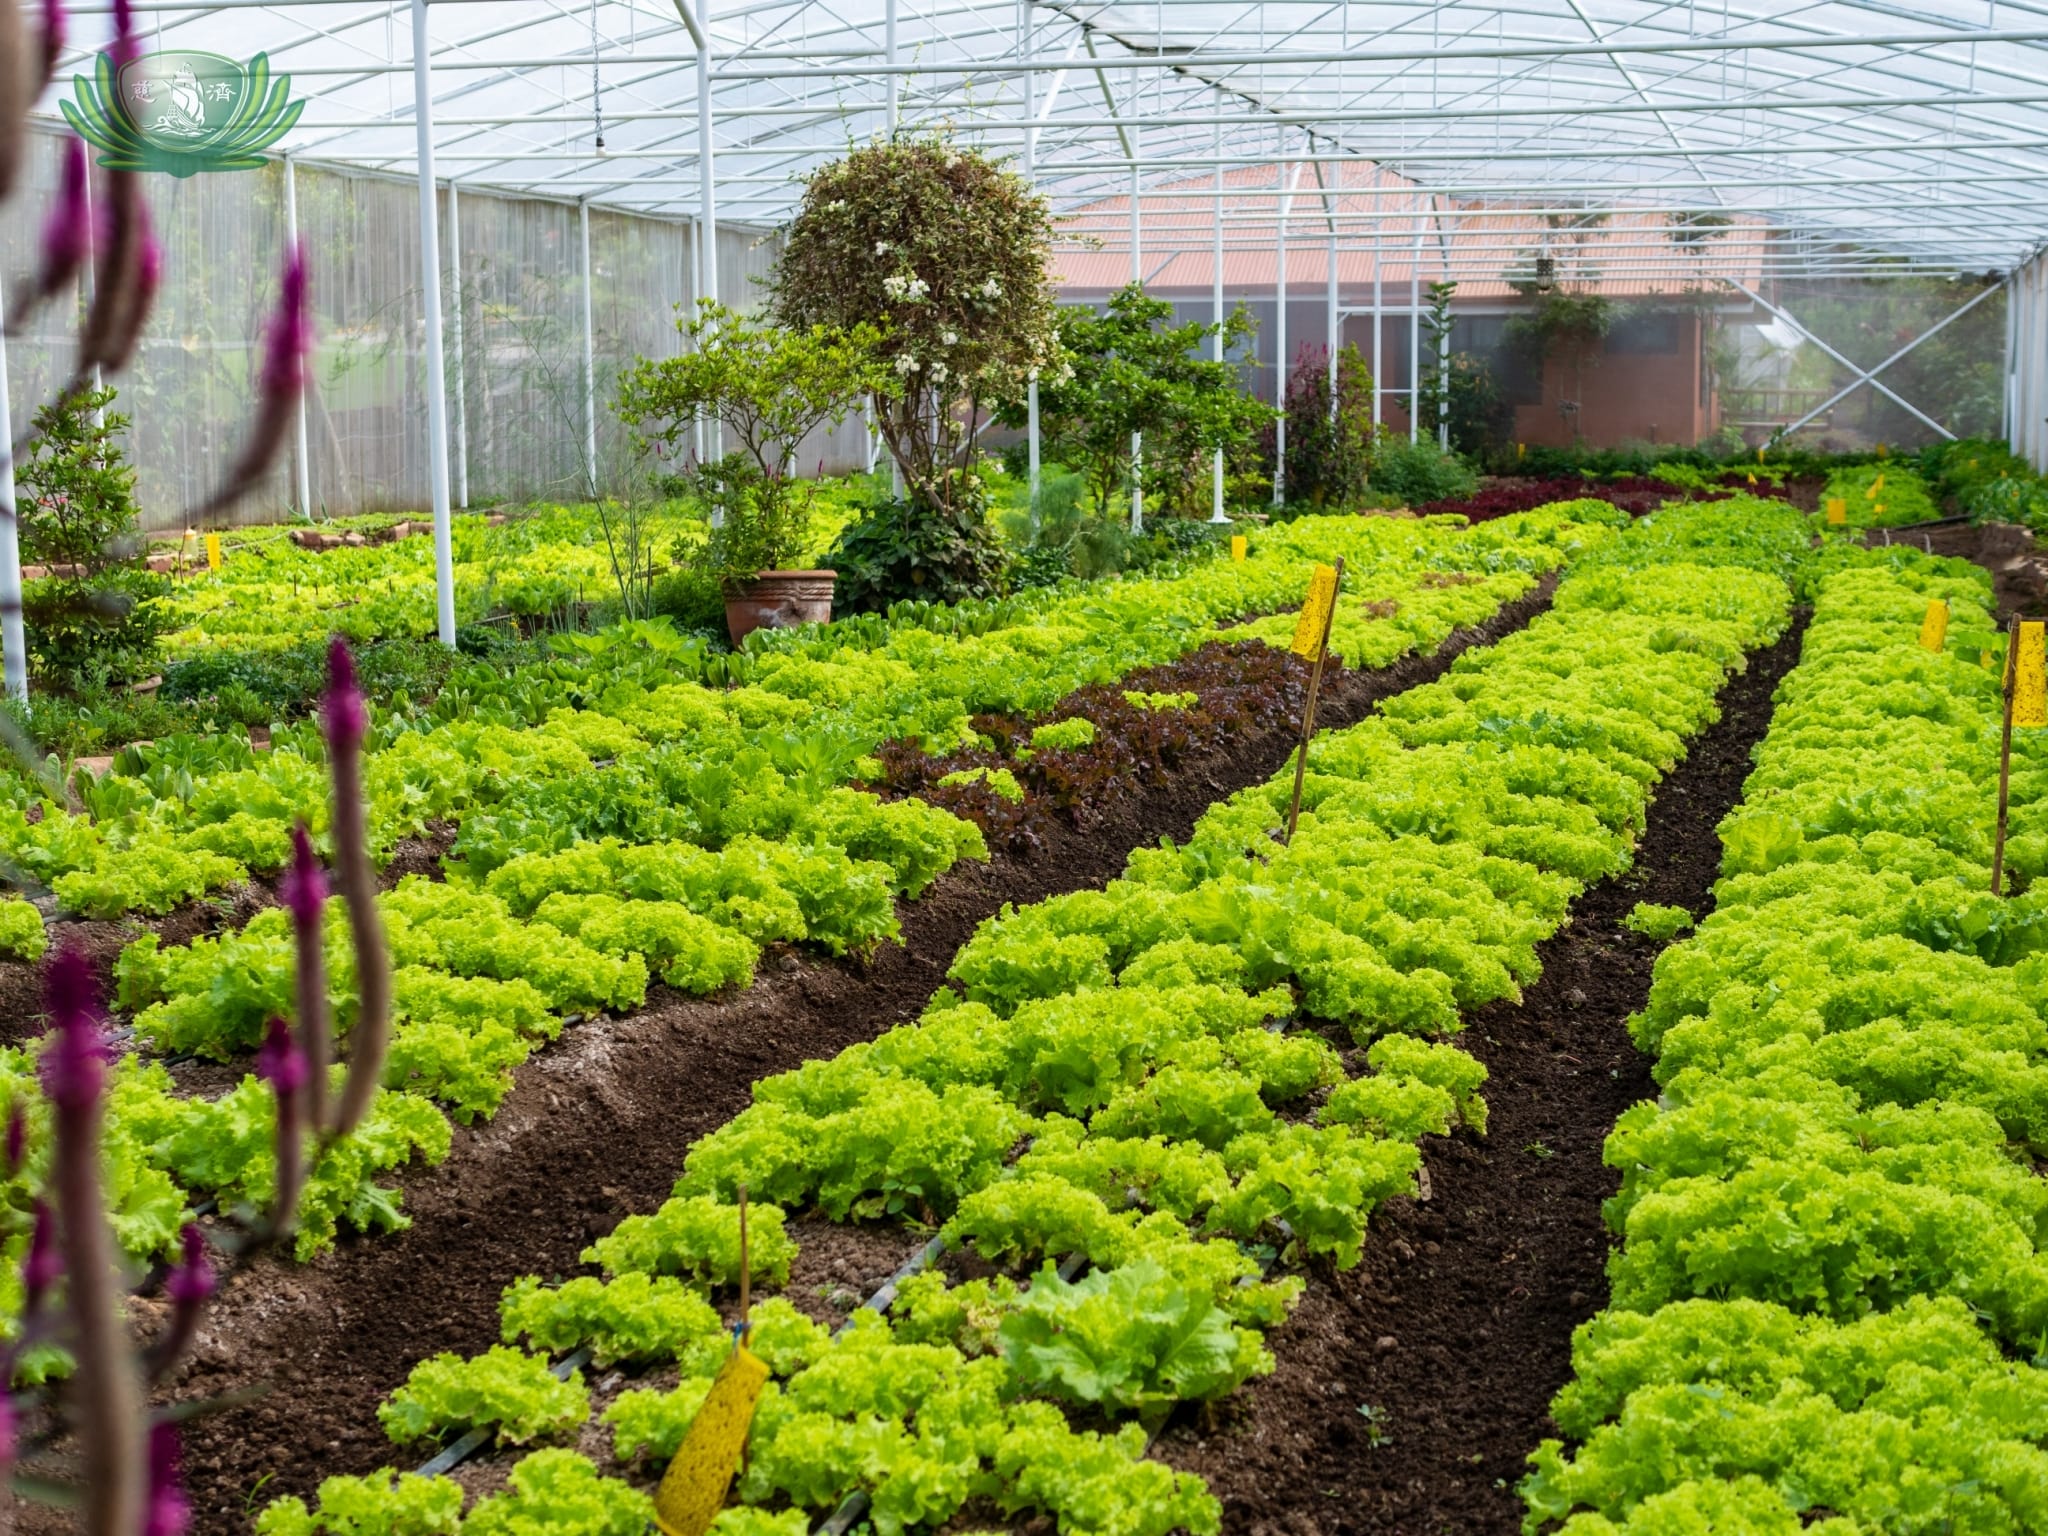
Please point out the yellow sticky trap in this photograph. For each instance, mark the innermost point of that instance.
(2030, 676)
(1875, 486)
(692, 1491)
(1934, 628)
(1838, 511)
(1759, 455)
(213, 551)
(1314, 622)
(1520, 449)
(1238, 547)
(1752, 477)
(1883, 451)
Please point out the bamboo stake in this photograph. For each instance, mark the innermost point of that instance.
(2012, 664)
(1308, 713)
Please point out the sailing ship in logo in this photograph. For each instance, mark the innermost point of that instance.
(183, 112)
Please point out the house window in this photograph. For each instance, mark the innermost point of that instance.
(1642, 335)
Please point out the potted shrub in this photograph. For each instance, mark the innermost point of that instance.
(947, 250)
(764, 389)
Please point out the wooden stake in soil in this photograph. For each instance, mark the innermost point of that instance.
(1317, 616)
(2026, 703)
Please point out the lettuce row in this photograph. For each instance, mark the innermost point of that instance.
(605, 741)
(1831, 1298)
(1122, 1038)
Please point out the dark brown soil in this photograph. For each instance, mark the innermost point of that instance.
(596, 1129)
(1456, 1327)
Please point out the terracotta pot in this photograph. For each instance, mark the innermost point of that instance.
(780, 600)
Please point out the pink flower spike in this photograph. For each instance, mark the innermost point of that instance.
(303, 890)
(169, 1512)
(43, 1266)
(75, 1061)
(291, 331)
(191, 1280)
(17, 1138)
(280, 1062)
(67, 232)
(346, 719)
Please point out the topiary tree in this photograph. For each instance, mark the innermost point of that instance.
(945, 251)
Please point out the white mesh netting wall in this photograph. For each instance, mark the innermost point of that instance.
(522, 401)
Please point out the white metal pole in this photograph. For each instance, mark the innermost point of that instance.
(589, 358)
(889, 56)
(1031, 429)
(461, 356)
(430, 291)
(1216, 514)
(1137, 277)
(713, 440)
(1280, 327)
(1379, 319)
(1415, 338)
(13, 639)
(1334, 321)
(291, 235)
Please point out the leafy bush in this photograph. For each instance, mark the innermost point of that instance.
(1409, 474)
(1329, 447)
(101, 620)
(903, 550)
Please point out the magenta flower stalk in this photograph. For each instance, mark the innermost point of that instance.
(124, 286)
(304, 893)
(287, 345)
(43, 1266)
(106, 1392)
(189, 1287)
(281, 1064)
(67, 237)
(169, 1512)
(346, 720)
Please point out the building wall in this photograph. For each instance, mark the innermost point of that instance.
(1646, 383)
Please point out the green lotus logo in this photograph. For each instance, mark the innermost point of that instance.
(182, 112)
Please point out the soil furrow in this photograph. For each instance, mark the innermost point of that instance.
(1410, 1389)
(597, 1127)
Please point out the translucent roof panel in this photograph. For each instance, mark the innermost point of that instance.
(1863, 136)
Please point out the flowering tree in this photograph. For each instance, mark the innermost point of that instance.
(945, 251)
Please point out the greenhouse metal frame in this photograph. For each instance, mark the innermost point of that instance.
(1736, 145)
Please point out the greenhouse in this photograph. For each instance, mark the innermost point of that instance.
(892, 767)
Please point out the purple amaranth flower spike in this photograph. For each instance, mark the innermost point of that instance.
(169, 1512)
(74, 1066)
(17, 1138)
(341, 710)
(281, 1064)
(43, 1266)
(67, 237)
(105, 1392)
(346, 721)
(189, 1287)
(129, 268)
(304, 893)
(287, 345)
